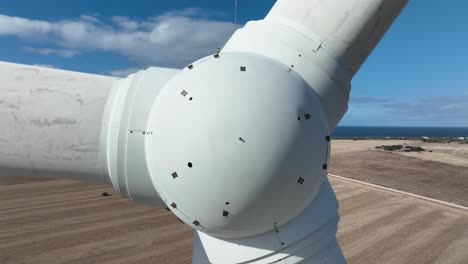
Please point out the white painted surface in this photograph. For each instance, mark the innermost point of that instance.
(51, 122)
(321, 72)
(309, 238)
(125, 133)
(240, 132)
(349, 29)
(325, 42)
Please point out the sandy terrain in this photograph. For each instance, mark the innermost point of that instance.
(70, 222)
(62, 221)
(451, 153)
(435, 179)
(385, 227)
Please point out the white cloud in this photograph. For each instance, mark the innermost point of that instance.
(58, 52)
(90, 19)
(125, 23)
(172, 39)
(437, 108)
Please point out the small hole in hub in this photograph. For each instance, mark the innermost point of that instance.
(190, 165)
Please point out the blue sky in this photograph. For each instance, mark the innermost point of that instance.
(417, 76)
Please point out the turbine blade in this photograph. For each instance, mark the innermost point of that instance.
(50, 122)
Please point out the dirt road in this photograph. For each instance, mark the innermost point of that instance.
(434, 179)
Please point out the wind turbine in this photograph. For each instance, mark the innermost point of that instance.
(236, 144)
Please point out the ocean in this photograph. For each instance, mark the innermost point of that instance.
(396, 132)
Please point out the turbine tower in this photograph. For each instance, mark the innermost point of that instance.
(236, 144)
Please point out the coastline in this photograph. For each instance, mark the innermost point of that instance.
(432, 134)
(461, 140)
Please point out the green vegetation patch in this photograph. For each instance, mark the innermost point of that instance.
(401, 148)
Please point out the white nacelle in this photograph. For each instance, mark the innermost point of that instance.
(238, 144)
